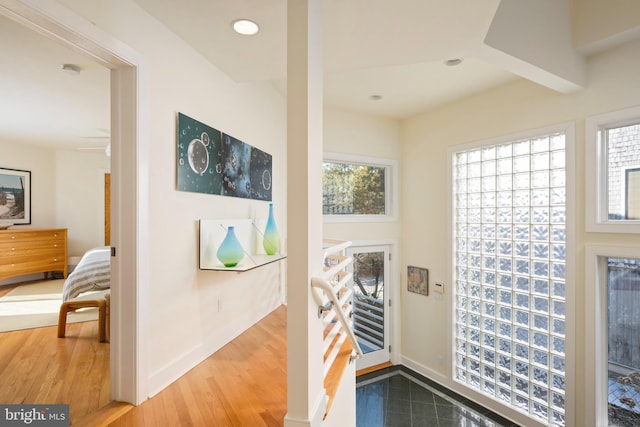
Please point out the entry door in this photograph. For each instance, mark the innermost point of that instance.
(371, 290)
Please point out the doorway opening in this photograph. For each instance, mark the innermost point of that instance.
(371, 295)
(127, 201)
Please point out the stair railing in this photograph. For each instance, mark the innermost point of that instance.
(334, 299)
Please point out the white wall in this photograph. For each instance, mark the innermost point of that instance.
(359, 134)
(41, 163)
(598, 23)
(516, 107)
(363, 135)
(183, 324)
(67, 191)
(79, 192)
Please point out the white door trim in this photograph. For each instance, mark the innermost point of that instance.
(129, 184)
(393, 312)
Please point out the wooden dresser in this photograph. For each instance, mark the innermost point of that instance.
(33, 250)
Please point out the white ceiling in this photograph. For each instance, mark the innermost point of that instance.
(394, 49)
(42, 105)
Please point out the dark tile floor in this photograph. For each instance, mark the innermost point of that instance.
(399, 397)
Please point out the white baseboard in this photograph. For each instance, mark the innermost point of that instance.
(427, 372)
(316, 416)
(164, 377)
(504, 411)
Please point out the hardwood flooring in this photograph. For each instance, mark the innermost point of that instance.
(38, 367)
(242, 384)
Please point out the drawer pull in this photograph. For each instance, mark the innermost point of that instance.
(13, 237)
(13, 249)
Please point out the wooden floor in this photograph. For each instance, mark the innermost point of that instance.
(38, 367)
(242, 384)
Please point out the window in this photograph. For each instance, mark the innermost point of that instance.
(510, 271)
(632, 193)
(613, 335)
(357, 188)
(613, 189)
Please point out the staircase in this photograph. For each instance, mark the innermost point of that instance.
(334, 298)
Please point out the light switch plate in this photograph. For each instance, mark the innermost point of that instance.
(438, 287)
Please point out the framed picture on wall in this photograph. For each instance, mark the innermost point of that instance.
(210, 161)
(418, 280)
(15, 197)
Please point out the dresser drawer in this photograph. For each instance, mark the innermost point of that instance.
(31, 266)
(32, 235)
(33, 251)
(27, 255)
(21, 245)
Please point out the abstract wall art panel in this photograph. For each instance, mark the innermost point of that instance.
(236, 167)
(199, 152)
(260, 175)
(212, 162)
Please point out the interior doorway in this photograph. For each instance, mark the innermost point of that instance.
(128, 202)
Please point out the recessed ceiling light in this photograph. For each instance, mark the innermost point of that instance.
(375, 97)
(453, 62)
(245, 27)
(72, 69)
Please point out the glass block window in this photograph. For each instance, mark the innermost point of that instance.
(509, 271)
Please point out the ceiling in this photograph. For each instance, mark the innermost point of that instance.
(391, 50)
(48, 106)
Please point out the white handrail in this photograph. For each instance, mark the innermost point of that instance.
(318, 283)
(334, 298)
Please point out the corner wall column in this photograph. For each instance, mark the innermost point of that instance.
(306, 396)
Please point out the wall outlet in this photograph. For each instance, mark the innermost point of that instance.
(438, 287)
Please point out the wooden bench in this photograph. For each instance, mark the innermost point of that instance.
(97, 299)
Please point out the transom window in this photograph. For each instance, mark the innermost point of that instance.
(622, 145)
(613, 177)
(356, 188)
(510, 247)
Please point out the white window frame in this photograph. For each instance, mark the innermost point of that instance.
(624, 183)
(596, 328)
(390, 189)
(570, 300)
(596, 194)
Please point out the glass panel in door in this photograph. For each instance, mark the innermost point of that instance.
(370, 300)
